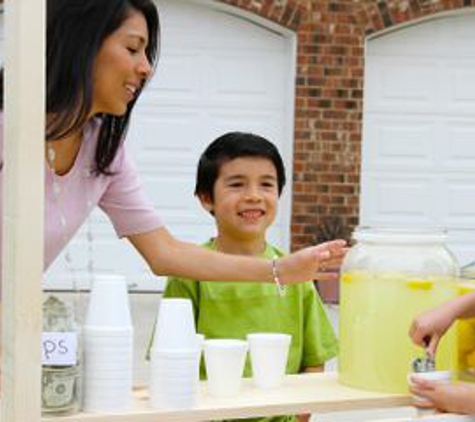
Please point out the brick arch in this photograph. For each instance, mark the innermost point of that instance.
(287, 13)
(376, 16)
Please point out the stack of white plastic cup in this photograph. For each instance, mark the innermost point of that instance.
(175, 356)
(269, 353)
(224, 359)
(108, 346)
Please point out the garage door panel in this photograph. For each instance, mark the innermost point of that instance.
(399, 142)
(457, 145)
(173, 192)
(249, 82)
(190, 20)
(398, 82)
(179, 80)
(270, 124)
(393, 200)
(459, 35)
(418, 42)
(460, 204)
(160, 141)
(462, 89)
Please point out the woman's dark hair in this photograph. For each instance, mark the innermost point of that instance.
(228, 147)
(76, 30)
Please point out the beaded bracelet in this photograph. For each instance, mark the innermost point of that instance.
(275, 276)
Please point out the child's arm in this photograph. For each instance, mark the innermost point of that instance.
(446, 397)
(432, 325)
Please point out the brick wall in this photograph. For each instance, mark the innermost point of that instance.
(329, 91)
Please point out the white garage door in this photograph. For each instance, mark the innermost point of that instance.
(418, 165)
(218, 72)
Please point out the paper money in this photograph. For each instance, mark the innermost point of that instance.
(60, 390)
(60, 384)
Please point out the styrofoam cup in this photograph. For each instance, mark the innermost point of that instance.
(96, 401)
(174, 377)
(224, 359)
(175, 327)
(181, 386)
(435, 376)
(94, 331)
(173, 401)
(108, 302)
(104, 348)
(105, 388)
(269, 353)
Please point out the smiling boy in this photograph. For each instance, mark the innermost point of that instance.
(239, 181)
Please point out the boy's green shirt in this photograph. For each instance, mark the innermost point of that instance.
(234, 309)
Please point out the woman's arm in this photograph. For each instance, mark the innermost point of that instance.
(169, 256)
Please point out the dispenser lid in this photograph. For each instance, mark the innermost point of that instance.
(400, 235)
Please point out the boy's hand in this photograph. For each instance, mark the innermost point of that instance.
(308, 263)
(445, 397)
(427, 329)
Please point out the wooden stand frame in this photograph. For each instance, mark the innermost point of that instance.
(23, 213)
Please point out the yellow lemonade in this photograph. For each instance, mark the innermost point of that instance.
(376, 311)
(466, 341)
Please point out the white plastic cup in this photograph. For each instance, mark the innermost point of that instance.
(175, 327)
(435, 376)
(108, 351)
(174, 377)
(109, 303)
(269, 353)
(224, 359)
(104, 394)
(107, 332)
(105, 362)
(173, 401)
(114, 400)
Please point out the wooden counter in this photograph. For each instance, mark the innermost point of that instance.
(306, 393)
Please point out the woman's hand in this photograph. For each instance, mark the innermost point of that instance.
(445, 397)
(320, 262)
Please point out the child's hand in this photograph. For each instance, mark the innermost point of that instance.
(445, 397)
(427, 329)
(308, 263)
(304, 418)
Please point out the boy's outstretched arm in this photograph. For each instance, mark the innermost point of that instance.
(446, 397)
(428, 328)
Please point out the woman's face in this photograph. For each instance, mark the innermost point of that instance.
(121, 66)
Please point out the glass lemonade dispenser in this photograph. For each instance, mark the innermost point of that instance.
(388, 278)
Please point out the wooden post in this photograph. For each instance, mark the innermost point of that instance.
(23, 212)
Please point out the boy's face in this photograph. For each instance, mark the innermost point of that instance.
(245, 198)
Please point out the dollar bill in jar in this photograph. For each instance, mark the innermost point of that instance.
(60, 377)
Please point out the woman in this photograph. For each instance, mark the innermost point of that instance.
(100, 53)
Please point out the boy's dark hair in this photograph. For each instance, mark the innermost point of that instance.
(76, 30)
(228, 147)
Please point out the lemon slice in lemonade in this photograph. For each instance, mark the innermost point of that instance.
(420, 284)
